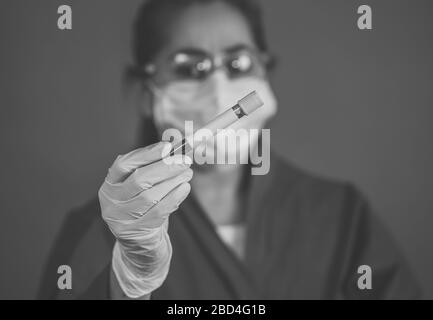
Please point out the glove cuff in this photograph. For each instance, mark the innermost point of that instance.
(130, 281)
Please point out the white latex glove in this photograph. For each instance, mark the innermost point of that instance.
(136, 200)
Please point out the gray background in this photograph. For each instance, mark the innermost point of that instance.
(355, 105)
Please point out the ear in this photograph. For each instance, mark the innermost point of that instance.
(145, 103)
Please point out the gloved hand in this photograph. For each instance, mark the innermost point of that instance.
(136, 200)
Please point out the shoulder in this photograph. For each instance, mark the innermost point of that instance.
(84, 243)
(314, 190)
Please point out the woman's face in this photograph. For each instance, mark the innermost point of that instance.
(204, 35)
(214, 28)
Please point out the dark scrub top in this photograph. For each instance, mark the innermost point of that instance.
(306, 238)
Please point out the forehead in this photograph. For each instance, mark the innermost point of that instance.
(212, 27)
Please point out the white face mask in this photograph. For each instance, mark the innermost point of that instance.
(201, 101)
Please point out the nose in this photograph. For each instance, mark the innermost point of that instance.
(219, 87)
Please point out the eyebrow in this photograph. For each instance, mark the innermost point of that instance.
(238, 47)
(189, 51)
(201, 52)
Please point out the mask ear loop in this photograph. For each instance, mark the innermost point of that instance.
(154, 91)
(149, 71)
(148, 85)
(147, 90)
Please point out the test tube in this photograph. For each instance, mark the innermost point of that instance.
(244, 107)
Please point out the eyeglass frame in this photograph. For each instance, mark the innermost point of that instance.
(217, 60)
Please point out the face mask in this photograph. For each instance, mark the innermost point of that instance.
(201, 101)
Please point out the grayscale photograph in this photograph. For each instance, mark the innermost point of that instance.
(216, 150)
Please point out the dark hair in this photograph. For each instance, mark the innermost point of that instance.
(151, 27)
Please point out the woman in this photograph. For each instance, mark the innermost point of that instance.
(283, 235)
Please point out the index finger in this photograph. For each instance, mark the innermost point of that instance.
(124, 165)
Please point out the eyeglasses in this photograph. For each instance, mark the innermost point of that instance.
(193, 64)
